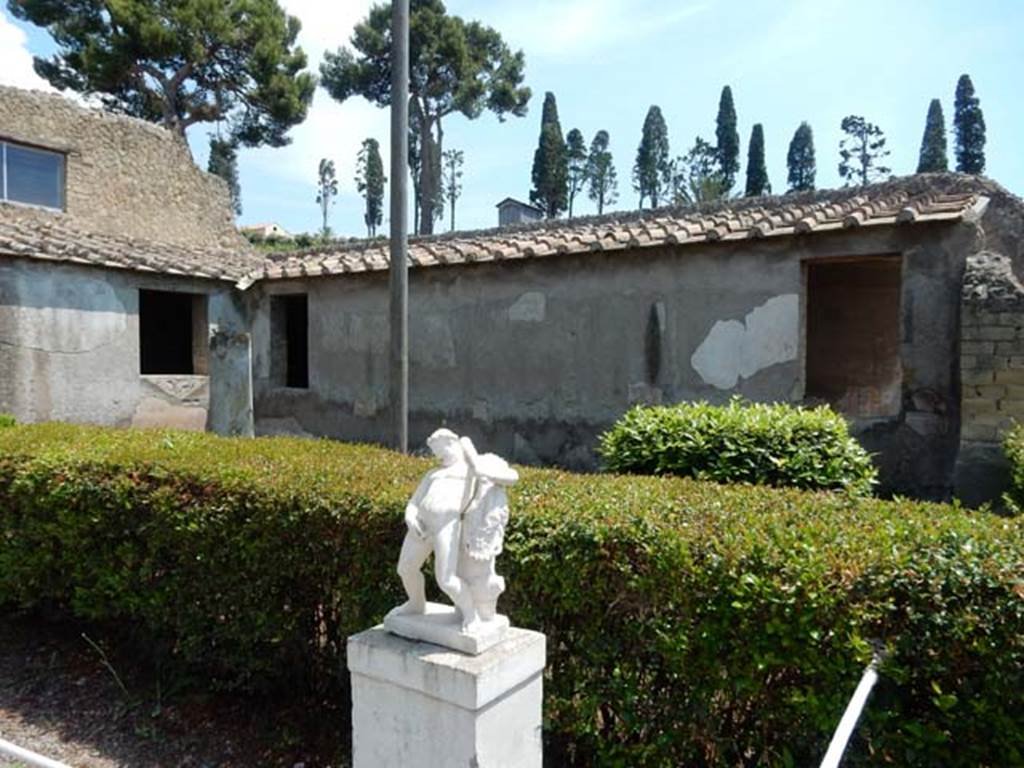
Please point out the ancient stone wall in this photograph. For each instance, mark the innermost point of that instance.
(124, 176)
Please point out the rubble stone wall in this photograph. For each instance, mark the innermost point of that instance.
(124, 176)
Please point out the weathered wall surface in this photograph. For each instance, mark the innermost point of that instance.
(535, 359)
(991, 370)
(125, 177)
(69, 347)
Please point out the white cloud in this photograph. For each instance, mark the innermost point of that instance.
(573, 27)
(15, 59)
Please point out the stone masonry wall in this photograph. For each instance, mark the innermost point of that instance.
(991, 348)
(125, 177)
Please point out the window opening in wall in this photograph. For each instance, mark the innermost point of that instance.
(173, 337)
(853, 335)
(31, 176)
(289, 358)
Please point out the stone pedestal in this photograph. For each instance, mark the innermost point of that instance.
(418, 705)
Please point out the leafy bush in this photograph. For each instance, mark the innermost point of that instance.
(778, 445)
(6, 420)
(688, 623)
(1013, 447)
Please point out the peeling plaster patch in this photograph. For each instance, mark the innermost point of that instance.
(528, 308)
(732, 349)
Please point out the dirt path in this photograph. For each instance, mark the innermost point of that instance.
(58, 698)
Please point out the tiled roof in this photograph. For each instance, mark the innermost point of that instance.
(49, 236)
(910, 200)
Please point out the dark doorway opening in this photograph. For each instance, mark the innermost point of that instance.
(172, 333)
(289, 363)
(853, 335)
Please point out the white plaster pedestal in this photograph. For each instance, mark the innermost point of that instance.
(418, 705)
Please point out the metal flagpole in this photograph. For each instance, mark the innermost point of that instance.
(399, 269)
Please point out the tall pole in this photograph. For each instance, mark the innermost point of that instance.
(399, 269)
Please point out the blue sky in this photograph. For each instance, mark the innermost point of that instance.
(607, 61)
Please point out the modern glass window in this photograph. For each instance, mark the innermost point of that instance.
(32, 176)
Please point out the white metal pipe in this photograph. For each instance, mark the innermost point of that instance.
(850, 717)
(27, 756)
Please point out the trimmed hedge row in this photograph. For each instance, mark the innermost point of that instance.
(765, 444)
(688, 623)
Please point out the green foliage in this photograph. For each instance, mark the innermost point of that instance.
(757, 173)
(326, 191)
(728, 139)
(969, 123)
(577, 165)
(933, 144)
(688, 623)
(861, 150)
(370, 180)
(455, 66)
(800, 160)
(223, 162)
(453, 159)
(696, 176)
(6, 420)
(550, 172)
(1013, 447)
(652, 172)
(778, 444)
(604, 183)
(181, 63)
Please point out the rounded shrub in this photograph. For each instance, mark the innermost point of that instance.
(6, 420)
(763, 444)
(1013, 448)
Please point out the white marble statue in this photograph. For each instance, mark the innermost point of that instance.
(458, 512)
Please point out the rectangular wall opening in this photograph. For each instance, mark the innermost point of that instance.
(289, 341)
(853, 335)
(173, 337)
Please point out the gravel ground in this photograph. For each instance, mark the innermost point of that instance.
(58, 698)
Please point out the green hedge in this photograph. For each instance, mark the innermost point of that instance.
(688, 623)
(6, 420)
(777, 444)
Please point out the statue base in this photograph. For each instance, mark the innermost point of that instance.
(441, 625)
(415, 705)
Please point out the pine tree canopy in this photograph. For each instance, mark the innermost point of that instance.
(455, 66)
(223, 162)
(800, 160)
(757, 173)
(728, 139)
(652, 171)
(933, 144)
(601, 173)
(181, 63)
(969, 123)
(550, 172)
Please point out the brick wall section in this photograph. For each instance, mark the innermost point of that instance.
(991, 349)
(125, 177)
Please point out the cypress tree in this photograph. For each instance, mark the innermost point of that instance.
(370, 181)
(601, 174)
(970, 128)
(728, 139)
(757, 173)
(933, 143)
(223, 162)
(800, 160)
(550, 163)
(652, 172)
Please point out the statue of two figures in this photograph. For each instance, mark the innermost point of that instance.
(458, 513)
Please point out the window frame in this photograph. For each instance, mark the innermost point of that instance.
(61, 175)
